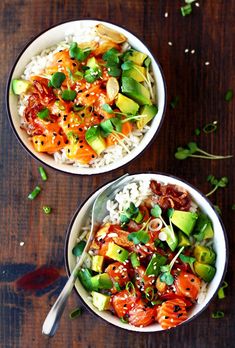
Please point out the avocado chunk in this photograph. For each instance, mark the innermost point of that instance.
(138, 73)
(126, 105)
(116, 252)
(206, 272)
(92, 63)
(171, 237)
(183, 240)
(97, 263)
(184, 220)
(20, 86)
(148, 111)
(204, 254)
(135, 91)
(85, 276)
(155, 264)
(95, 140)
(137, 57)
(101, 281)
(203, 228)
(100, 301)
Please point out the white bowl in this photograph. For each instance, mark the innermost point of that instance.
(220, 246)
(51, 37)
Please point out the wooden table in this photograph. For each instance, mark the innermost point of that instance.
(183, 45)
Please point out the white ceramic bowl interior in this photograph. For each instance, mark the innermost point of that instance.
(220, 246)
(53, 36)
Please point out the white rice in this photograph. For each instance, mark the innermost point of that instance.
(43, 60)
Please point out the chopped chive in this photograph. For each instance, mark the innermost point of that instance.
(123, 320)
(75, 313)
(46, 209)
(43, 173)
(229, 95)
(130, 288)
(221, 293)
(186, 10)
(34, 193)
(210, 127)
(197, 131)
(217, 315)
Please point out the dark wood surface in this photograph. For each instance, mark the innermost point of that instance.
(209, 30)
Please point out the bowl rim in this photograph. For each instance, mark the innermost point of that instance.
(68, 233)
(8, 87)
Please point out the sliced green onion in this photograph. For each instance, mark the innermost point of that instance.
(34, 193)
(156, 302)
(186, 10)
(221, 293)
(229, 95)
(217, 315)
(210, 127)
(197, 131)
(174, 102)
(123, 320)
(130, 288)
(134, 260)
(78, 249)
(75, 313)
(43, 173)
(46, 209)
(117, 286)
(43, 114)
(149, 293)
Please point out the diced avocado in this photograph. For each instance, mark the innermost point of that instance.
(20, 86)
(154, 265)
(171, 237)
(149, 111)
(206, 272)
(95, 140)
(97, 263)
(136, 91)
(203, 228)
(126, 105)
(85, 276)
(116, 252)
(204, 254)
(137, 57)
(183, 240)
(184, 220)
(138, 73)
(92, 63)
(101, 281)
(100, 301)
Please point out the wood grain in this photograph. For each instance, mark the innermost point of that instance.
(209, 30)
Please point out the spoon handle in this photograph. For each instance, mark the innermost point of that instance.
(51, 322)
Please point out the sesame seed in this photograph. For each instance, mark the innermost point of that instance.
(197, 4)
(166, 14)
(192, 51)
(170, 43)
(207, 63)
(21, 243)
(186, 50)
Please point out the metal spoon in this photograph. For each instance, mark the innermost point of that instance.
(99, 211)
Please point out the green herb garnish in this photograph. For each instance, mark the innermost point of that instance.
(229, 95)
(78, 53)
(139, 237)
(186, 10)
(46, 209)
(197, 131)
(57, 79)
(34, 193)
(174, 102)
(217, 315)
(43, 114)
(75, 313)
(68, 95)
(92, 74)
(123, 320)
(188, 259)
(166, 276)
(217, 183)
(130, 288)
(221, 294)
(112, 62)
(43, 173)
(78, 249)
(183, 153)
(217, 208)
(210, 127)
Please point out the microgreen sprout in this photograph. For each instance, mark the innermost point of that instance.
(192, 148)
(78, 53)
(140, 236)
(166, 276)
(221, 294)
(197, 131)
(217, 183)
(188, 259)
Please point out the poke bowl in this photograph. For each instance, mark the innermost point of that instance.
(85, 97)
(157, 259)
